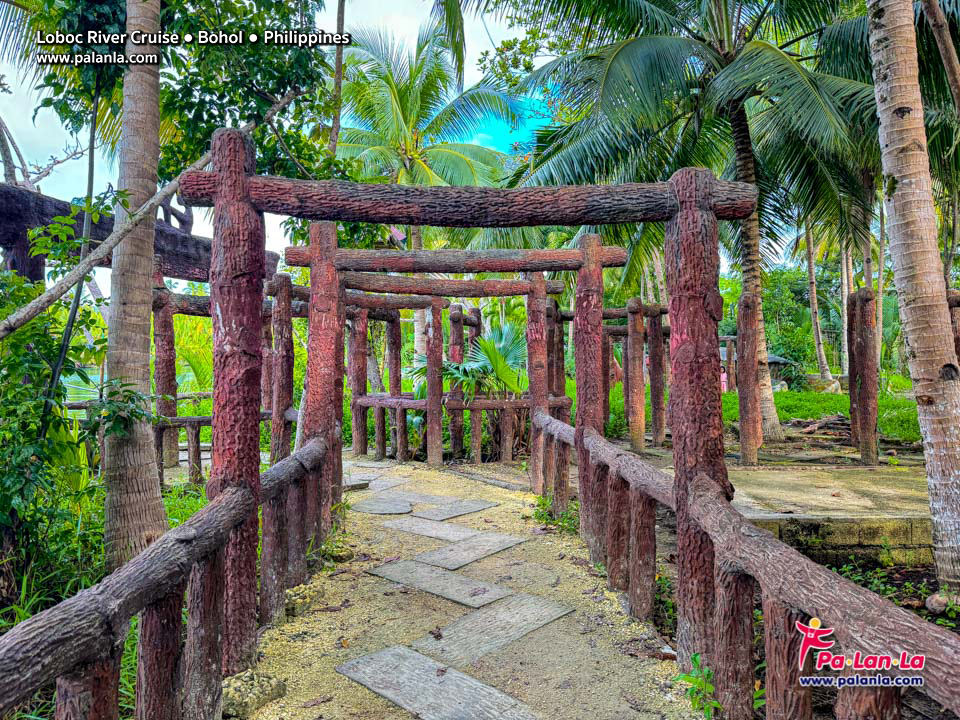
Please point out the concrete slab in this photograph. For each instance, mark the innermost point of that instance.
(437, 581)
(429, 690)
(382, 506)
(454, 509)
(464, 552)
(451, 532)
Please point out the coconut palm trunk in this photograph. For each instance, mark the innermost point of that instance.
(844, 294)
(881, 269)
(917, 271)
(419, 316)
(750, 267)
(822, 363)
(134, 515)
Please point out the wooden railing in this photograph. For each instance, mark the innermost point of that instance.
(75, 635)
(792, 586)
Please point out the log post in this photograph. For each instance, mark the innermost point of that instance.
(643, 554)
(605, 365)
(508, 421)
(786, 699)
(455, 355)
(165, 375)
(731, 365)
(748, 384)
(324, 381)
(853, 369)
(435, 384)
(158, 659)
(91, 691)
(236, 299)
(194, 458)
(625, 385)
(733, 632)
(587, 349)
(618, 532)
(868, 704)
(476, 416)
(869, 375)
(266, 351)
(537, 374)
(278, 515)
(655, 352)
(394, 342)
(548, 456)
(693, 270)
(636, 391)
(202, 652)
(552, 322)
(380, 432)
(357, 372)
(559, 337)
(561, 464)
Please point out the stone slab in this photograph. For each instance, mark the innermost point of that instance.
(385, 483)
(429, 690)
(437, 581)
(416, 498)
(490, 628)
(382, 506)
(454, 509)
(350, 483)
(451, 532)
(464, 552)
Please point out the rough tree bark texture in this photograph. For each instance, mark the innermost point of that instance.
(266, 352)
(165, 377)
(618, 532)
(91, 692)
(655, 351)
(455, 355)
(415, 234)
(853, 370)
(786, 699)
(194, 458)
(474, 331)
(605, 364)
(236, 288)
(537, 373)
(394, 342)
(748, 381)
(868, 704)
(285, 511)
(733, 633)
(158, 659)
(636, 393)
(376, 283)
(731, 364)
(869, 375)
(462, 261)
(202, 651)
(588, 348)
(324, 376)
(643, 554)
(822, 363)
(693, 269)
(357, 374)
(435, 386)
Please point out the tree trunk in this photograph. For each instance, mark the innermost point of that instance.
(948, 53)
(134, 515)
(822, 363)
(844, 296)
(374, 341)
(917, 272)
(750, 268)
(336, 95)
(6, 158)
(881, 269)
(419, 316)
(950, 247)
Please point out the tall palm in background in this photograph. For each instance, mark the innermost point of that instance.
(406, 121)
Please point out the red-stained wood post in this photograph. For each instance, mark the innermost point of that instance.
(869, 375)
(474, 331)
(394, 342)
(380, 433)
(237, 265)
(636, 390)
(625, 386)
(508, 422)
(643, 555)
(655, 352)
(158, 659)
(551, 346)
(731, 365)
(587, 349)
(91, 691)
(618, 532)
(853, 369)
(277, 516)
(605, 365)
(266, 351)
(786, 699)
(868, 704)
(733, 633)
(561, 464)
(202, 652)
(324, 383)
(748, 382)
(194, 458)
(455, 355)
(693, 271)
(435, 384)
(357, 372)
(537, 374)
(165, 374)
(559, 337)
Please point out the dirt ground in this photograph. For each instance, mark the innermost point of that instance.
(594, 663)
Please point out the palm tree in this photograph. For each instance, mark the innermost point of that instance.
(912, 227)
(408, 122)
(822, 364)
(706, 74)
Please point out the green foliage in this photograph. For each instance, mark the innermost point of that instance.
(665, 603)
(700, 692)
(567, 522)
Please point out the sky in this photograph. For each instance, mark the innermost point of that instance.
(42, 136)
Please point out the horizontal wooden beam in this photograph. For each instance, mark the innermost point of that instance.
(391, 302)
(375, 282)
(468, 206)
(467, 319)
(458, 261)
(616, 331)
(381, 314)
(620, 313)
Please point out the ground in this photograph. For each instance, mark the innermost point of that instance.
(555, 670)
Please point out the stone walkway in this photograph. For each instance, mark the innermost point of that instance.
(457, 605)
